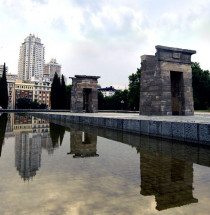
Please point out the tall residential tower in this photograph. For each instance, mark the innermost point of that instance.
(51, 68)
(31, 59)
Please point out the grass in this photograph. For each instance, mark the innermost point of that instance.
(205, 111)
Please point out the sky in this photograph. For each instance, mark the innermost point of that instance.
(104, 37)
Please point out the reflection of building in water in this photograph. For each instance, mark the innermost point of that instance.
(83, 144)
(47, 143)
(39, 125)
(30, 133)
(168, 179)
(9, 128)
(27, 154)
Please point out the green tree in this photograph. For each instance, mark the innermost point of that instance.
(68, 96)
(23, 103)
(113, 102)
(101, 104)
(63, 95)
(134, 89)
(34, 104)
(201, 87)
(3, 89)
(55, 93)
(42, 106)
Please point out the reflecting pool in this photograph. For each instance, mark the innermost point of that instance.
(74, 169)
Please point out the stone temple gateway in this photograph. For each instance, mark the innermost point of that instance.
(166, 82)
(84, 94)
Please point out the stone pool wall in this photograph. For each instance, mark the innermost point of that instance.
(194, 132)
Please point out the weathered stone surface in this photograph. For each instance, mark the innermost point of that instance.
(204, 133)
(155, 128)
(101, 121)
(87, 85)
(166, 129)
(144, 127)
(114, 123)
(131, 125)
(166, 82)
(84, 120)
(178, 130)
(191, 131)
(93, 121)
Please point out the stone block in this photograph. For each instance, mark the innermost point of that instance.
(166, 129)
(114, 123)
(84, 120)
(101, 122)
(178, 130)
(119, 124)
(109, 123)
(131, 125)
(156, 80)
(91, 121)
(204, 133)
(191, 132)
(155, 128)
(76, 119)
(144, 127)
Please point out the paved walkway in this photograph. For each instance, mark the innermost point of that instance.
(197, 118)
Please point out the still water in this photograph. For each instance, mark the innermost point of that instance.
(50, 169)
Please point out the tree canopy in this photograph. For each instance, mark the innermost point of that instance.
(58, 93)
(24, 103)
(201, 87)
(134, 89)
(3, 89)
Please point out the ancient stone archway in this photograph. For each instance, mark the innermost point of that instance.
(166, 82)
(84, 94)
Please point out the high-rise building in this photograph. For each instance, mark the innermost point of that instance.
(31, 59)
(51, 68)
(1, 69)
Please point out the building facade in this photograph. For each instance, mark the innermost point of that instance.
(51, 68)
(11, 93)
(1, 69)
(42, 91)
(23, 90)
(107, 91)
(31, 59)
(36, 91)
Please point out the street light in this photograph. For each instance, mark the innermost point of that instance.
(122, 102)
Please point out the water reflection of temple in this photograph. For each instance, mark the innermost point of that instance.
(83, 144)
(169, 180)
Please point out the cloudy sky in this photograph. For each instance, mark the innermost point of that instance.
(104, 37)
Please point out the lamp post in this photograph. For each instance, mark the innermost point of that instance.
(122, 102)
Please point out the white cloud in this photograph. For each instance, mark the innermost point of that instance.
(104, 37)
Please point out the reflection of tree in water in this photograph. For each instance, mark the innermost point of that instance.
(3, 125)
(56, 132)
